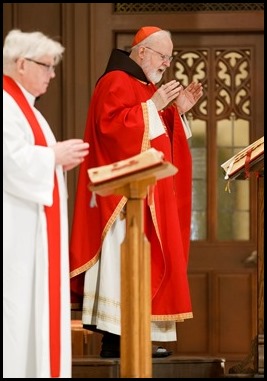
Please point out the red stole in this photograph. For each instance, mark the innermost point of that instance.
(53, 232)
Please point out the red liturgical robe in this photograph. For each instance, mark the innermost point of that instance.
(118, 128)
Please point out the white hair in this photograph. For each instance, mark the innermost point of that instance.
(32, 45)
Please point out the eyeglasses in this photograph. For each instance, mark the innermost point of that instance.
(49, 68)
(164, 57)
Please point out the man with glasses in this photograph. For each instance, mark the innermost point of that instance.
(36, 290)
(127, 115)
(49, 68)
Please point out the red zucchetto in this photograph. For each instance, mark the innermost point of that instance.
(143, 33)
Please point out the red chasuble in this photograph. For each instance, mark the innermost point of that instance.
(117, 128)
(53, 232)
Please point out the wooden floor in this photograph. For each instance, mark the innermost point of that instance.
(169, 367)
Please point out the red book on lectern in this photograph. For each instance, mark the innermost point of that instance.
(244, 161)
(148, 159)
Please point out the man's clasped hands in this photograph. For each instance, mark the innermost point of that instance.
(183, 98)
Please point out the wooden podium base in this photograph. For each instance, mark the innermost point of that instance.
(136, 348)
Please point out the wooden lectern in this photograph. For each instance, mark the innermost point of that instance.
(136, 347)
(250, 162)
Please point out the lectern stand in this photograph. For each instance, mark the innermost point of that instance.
(256, 169)
(136, 347)
(259, 365)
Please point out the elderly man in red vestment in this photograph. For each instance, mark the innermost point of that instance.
(127, 115)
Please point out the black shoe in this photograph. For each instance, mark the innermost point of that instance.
(110, 345)
(109, 354)
(160, 352)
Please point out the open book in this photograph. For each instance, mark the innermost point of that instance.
(244, 161)
(148, 159)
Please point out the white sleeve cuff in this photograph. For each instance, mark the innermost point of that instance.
(187, 129)
(155, 124)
